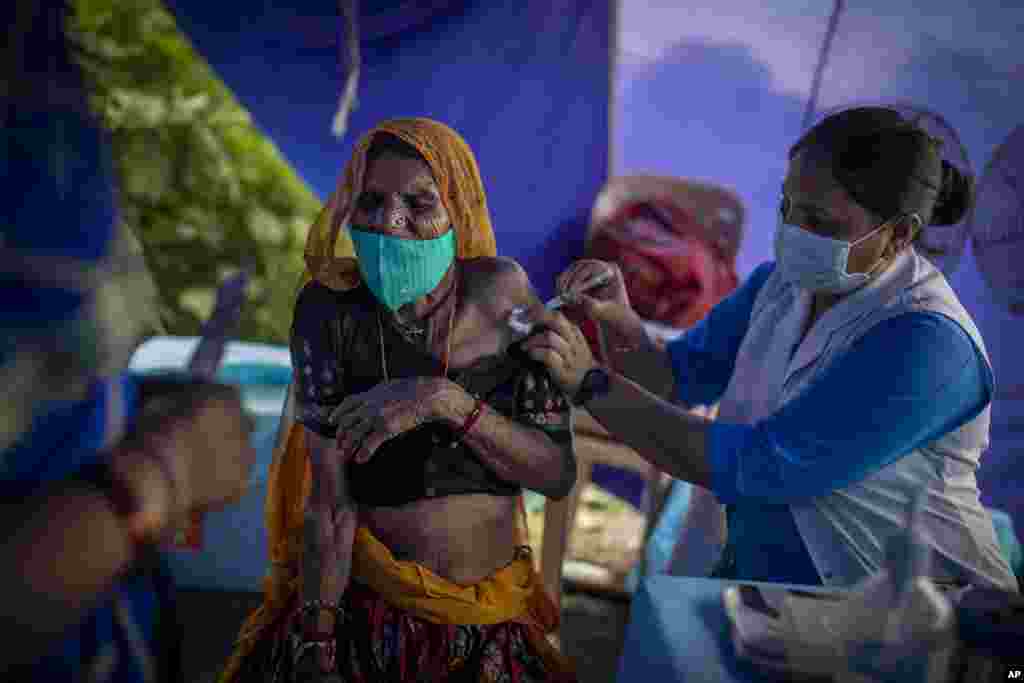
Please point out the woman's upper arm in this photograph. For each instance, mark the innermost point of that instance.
(703, 359)
(319, 375)
(907, 382)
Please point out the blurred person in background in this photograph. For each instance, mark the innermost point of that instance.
(675, 240)
(96, 466)
(676, 243)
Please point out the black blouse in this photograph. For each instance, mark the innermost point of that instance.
(336, 353)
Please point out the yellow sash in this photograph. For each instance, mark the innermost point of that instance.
(411, 587)
(513, 593)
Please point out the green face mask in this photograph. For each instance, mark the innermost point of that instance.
(398, 270)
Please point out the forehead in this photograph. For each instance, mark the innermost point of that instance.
(393, 173)
(811, 188)
(809, 176)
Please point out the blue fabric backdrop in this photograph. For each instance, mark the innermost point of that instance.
(527, 84)
(712, 91)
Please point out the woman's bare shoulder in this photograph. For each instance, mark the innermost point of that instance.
(317, 302)
(499, 279)
(316, 295)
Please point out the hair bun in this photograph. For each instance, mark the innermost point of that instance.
(955, 197)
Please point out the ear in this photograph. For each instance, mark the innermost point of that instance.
(908, 229)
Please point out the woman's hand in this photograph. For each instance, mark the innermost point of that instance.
(193, 462)
(584, 270)
(220, 455)
(560, 347)
(162, 489)
(366, 421)
(608, 304)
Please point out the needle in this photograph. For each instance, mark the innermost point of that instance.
(522, 326)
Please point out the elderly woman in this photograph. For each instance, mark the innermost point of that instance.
(423, 422)
(848, 374)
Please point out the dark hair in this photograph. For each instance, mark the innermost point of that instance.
(889, 166)
(389, 143)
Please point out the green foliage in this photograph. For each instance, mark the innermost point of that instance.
(201, 187)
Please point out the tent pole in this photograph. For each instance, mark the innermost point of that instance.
(826, 47)
(614, 9)
(351, 57)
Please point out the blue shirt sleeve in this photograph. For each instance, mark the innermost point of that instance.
(704, 357)
(62, 438)
(908, 381)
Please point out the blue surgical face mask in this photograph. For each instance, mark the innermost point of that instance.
(815, 263)
(401, 270)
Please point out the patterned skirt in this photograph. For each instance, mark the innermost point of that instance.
(378, 643)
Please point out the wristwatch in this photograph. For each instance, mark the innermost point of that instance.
(595, 383)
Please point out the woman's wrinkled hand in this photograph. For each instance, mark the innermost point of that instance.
(561, 347)
(367, 421)
(215, 442)
(162, 489)
(196, 461)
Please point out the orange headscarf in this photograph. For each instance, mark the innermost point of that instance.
(330, 259)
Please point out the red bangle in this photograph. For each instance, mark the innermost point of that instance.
(478, 410)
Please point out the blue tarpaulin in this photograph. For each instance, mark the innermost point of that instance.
(712, 91)
(527, 85)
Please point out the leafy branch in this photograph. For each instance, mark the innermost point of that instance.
(200, 186)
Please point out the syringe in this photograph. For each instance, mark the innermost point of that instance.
(517, 318)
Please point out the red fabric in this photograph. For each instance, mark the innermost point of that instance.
(382, 642)
(672, 271)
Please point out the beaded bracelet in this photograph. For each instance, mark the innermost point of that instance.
(328, 644)
(317, 639)
(321, 606)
